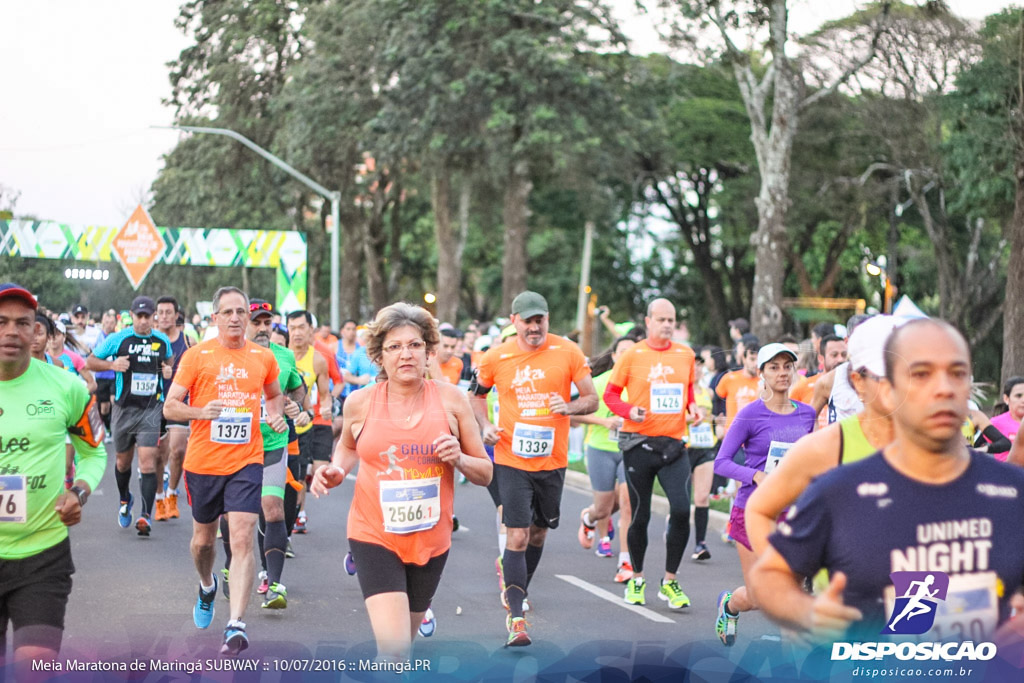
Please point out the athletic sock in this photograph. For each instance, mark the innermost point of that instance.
(148, 486)
(623, 557)
(586, 518)
(275, 542)
(124, 480)
(514, 567)
(533, 553)
(700, 523)
(225, 536)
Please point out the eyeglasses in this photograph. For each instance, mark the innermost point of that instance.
(279, 327)
(416, 345)
(265, 306)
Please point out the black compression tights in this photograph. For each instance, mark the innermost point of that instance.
(642, 467)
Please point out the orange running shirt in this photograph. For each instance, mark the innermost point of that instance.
(739, 390)
(658, 381)
(452, 370)
(804, 389)
(404, 495)
(210, 371)
(534, 439)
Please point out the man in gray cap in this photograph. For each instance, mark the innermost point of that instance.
(141, 357)
(533, 373)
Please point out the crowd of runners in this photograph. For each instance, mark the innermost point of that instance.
(844, 458)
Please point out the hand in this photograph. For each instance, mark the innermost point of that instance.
(120, 364)
(68, 508)
(613, 422)
(212, 410)
(829, 617)
(758, 477)
(695, 414)
(325, 412)
(277, 423)
(168, 371)
(448, 449)
(603, 311)
(557, 404)
(326, 477)
(302, 419)
(291, 409)
(491, 434)
(637, 414)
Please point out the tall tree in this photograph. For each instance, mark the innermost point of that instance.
(774, 97)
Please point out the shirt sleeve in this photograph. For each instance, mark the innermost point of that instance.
(107, 347)
(485, 371)
(722, 388)
(86, 431)
(802, 538)
(734, 439)
(581, 368)
(186, 373)
(270, 363)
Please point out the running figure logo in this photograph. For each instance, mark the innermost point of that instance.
(917, 596)
(390, 456)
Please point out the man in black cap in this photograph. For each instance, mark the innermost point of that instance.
(142, 358)
(85, 332)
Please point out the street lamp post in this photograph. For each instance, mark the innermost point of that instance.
(875, 269)
(333, 196)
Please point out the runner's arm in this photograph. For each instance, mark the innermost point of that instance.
(586, 402)
(822, 391)
(322, 386)
(1016, 456)
(613, 399)
(275, 403)
(175, 408)
(87, 438)
(472, 461)
(724, 465)
(593, 419)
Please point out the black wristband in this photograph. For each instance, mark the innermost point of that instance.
(82, 494)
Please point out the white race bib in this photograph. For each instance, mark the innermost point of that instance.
(701, 436)
(666, 398)
(263, 409)
(232, 428)
(969, 612)
(776, 451)
(13, 505)
(410, 506)
(531, 441)
(143, 384)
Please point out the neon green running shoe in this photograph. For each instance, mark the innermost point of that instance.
(635, 591)
(725, 626)
(672, 594)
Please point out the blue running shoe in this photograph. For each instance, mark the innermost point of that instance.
(202, 613)
(235, 639)
(124, 513)
(429, 624)
(350, 564)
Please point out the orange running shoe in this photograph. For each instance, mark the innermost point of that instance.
(625, 573)
(171, 505)
(160, 513)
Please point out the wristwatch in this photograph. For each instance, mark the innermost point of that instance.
(82, 494)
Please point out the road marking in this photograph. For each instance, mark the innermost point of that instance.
(614, 599)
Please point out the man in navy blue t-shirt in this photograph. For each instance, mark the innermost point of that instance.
(926, 504)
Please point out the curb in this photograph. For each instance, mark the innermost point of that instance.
(659, 504)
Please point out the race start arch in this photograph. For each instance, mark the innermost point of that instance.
(138, 245)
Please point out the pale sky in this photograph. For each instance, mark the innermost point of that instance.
(82, 83)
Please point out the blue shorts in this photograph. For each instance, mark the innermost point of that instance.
(211, 495)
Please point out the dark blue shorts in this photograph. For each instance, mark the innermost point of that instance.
(211, 495)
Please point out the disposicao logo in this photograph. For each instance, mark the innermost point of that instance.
(917, 597)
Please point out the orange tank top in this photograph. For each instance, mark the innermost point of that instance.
(404, 494)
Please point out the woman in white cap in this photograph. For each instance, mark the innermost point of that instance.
(766, 430)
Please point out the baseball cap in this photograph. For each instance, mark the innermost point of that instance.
(769, 351)
(9, 289)
(143, 304)
(79, 308)
(258, 307)
(866, 346)
(528, 304)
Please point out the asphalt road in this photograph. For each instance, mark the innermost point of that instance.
(132, 601)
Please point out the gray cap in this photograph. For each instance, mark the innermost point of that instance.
(528, 304)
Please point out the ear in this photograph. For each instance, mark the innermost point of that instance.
(887, 396)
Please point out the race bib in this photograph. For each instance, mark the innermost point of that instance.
(143, 384)
(531, 441)
(666, 398)
(263, 409)
(231, 428)
(969, 612)
(409, 506)
(613, 434)
(776, 451)
(13, 506)
(701, 436)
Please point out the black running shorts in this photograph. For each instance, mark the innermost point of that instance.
(529, 498)
(382, 571)
(34, 595)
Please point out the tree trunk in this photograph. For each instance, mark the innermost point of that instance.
(351, 260)
(515, 215)
(450, 240)
(315, 241)
(1013, 314)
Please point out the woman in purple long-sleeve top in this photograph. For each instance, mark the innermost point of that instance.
(765, 429)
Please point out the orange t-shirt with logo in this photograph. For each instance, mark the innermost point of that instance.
(659, 381)
(404, 495)
(739, 390)
(210, 371)
(804, 389)
(452, 370)
(534, 439)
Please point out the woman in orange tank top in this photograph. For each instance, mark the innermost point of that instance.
(409, 435)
